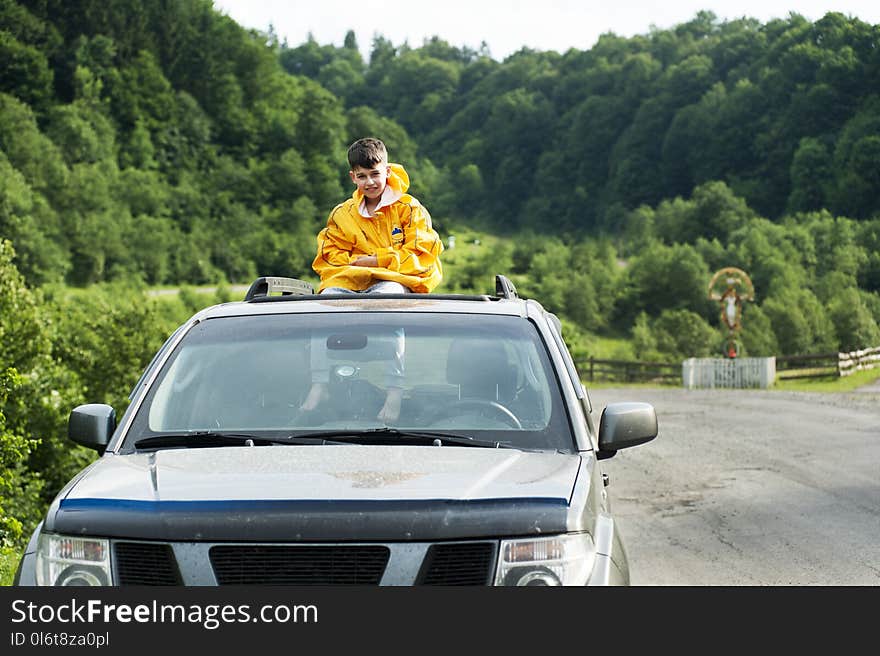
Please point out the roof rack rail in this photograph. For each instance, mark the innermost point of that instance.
(278, 286)
(504, 288)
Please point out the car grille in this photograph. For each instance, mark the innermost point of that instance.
(468, 563)
(448, 563)
(299, 565)
(145, 563)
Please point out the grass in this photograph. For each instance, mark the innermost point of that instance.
(830, 383)
(610, 348)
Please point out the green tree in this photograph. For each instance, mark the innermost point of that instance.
(662, 278)
(418, 90)
(774, 260)
(757, 336)
(713, 211)
(29, 150)
(860, 177)
(517, 127)
(320, 129)
(810, 175)
(28, 221)
(81, 134)
(31, 391)
(854, 325)
(19, 488)
(470, 267)
(21, 327)
(674, 335)
(24, 72)
(868, 235)
(344, 80)
(107, 336)
(800, 322)
(306, 59)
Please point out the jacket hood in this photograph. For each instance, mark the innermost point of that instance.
(321, 492)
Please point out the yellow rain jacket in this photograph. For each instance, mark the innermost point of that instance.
(400, 235)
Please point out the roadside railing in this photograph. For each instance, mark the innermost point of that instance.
(788, 367)
(820, 365)
(630, 371)
(853, 361)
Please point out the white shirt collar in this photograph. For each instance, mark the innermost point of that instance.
(389, 196)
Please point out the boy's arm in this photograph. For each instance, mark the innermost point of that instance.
(334, 247)
(420, 252)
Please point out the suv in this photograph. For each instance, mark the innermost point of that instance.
(488, 473)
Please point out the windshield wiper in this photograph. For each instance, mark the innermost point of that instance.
(386, 435)
(199, 439)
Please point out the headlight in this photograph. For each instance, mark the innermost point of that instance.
(65, 560)
(558, 560)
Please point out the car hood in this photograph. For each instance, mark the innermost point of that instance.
(320, 493)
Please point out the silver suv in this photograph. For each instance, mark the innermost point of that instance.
(485, 472)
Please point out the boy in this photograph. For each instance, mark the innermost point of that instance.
(378, 241)
(379, 235)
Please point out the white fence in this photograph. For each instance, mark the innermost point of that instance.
(724, 372)
(848, 363)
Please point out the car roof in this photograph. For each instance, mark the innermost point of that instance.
(301, 300)
(366, 303)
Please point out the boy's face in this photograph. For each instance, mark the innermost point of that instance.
(371, 181)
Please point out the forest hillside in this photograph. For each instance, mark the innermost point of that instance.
(158, 143)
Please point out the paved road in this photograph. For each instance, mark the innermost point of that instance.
(748, 487)
(871, 388)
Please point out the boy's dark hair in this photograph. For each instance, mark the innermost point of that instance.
(367, 152)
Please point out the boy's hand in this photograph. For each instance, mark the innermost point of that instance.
(317, 394)
(391, 410)
(366, 261)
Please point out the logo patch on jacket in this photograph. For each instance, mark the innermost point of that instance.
(397, 236)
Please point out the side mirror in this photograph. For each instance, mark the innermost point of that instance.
(624, 425)
(92, 425)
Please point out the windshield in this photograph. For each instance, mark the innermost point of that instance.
(480, 376)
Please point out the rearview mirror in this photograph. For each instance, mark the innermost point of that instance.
(92, 425)
(624, 425)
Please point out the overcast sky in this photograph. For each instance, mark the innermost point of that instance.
(507, 26)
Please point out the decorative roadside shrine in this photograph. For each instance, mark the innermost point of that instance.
(737, 287)
(730, 287)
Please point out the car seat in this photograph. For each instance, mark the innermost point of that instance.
(481, 370)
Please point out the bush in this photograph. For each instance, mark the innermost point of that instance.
(18, 487)
(673, 336)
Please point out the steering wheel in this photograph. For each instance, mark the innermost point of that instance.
(479, 407)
